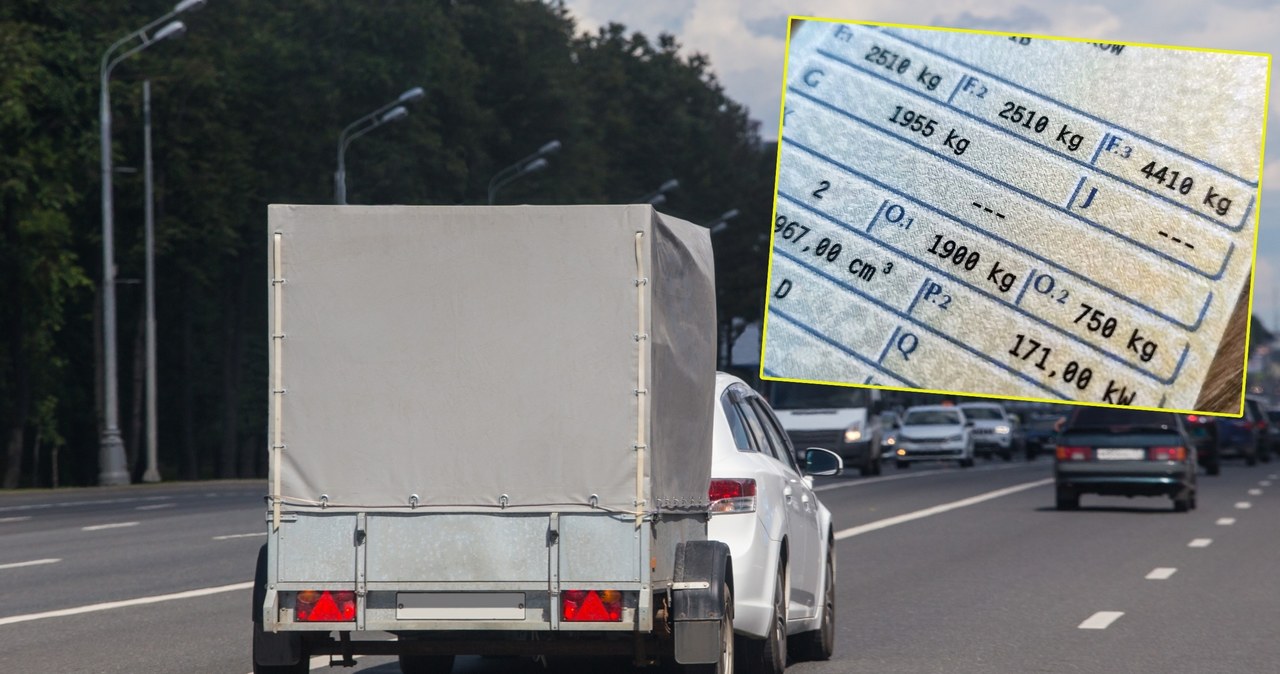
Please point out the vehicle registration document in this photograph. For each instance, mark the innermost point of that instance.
(1012, 216)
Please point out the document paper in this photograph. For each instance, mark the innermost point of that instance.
(1011, 216)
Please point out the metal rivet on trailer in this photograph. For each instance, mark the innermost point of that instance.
(324, 500)
(413, 500)
(594, 500)
(503, 500)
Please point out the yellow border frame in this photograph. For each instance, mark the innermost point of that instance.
(1266, 104)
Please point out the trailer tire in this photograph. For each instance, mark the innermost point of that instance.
(426, 664)
(271, 646)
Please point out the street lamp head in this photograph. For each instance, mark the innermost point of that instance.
(187, 6)
(171, 29)
(412, 95)
(549, 148)
(669, 185)
(393, 114)
(534, 166)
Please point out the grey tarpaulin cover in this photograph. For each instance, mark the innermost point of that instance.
(466, 353)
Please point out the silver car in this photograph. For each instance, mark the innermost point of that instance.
(934, 433)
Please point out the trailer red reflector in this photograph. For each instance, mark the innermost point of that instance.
(324, 606)
(591, 606)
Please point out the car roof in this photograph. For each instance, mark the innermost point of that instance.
(934, 408)
(986, 405)
(1119, 416)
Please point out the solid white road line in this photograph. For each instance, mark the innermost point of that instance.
(231, 536)
(1255, 492)
(938, 509)
(106, 606)
(1226, 521)
(15, 519)
(73, 504)
(113, 525)
(1161, 573)
(905, 476)
(34, 562)
(1199, 543)
(1101, 620)
(1243, 505)
(157, 506)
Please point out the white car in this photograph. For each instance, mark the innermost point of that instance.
(779, 534)
(992, 429)
(934, 433)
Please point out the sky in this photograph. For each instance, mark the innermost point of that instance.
(745, 40)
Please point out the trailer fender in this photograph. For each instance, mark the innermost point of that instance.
(703, 574)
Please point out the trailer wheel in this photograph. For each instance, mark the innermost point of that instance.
(268, 646)
(725, 664)
(426, 664)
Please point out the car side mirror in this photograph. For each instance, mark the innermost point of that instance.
(819, 461)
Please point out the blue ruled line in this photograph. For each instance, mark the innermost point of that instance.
(1075, 193)
(778, 313)
(984, 293)
(955, 91)
(877, 215)
(1189, 327)
(919, 293)
(1025, 283)
(885, 351)
(1098, 150)
(1049, 148)
(1072, 214)
(965, 347)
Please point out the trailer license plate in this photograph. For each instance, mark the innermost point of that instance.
(460, 606)
(1126, 454)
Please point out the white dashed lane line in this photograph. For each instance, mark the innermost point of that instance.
(1244, 505)
(1226, 521)
(34, 562)
(1255, 492)
(113, 525)
(1161, 573)
(110, 605)
(1101, 620)
(231, 536)
(15, 519)
(1265, 483)
(157, 506)
(1199, 543)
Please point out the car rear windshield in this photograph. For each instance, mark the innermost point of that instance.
(932, 417)
(1040, 423)
(1112, 419)
(983, 413)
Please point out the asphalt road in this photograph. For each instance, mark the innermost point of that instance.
(940, 570)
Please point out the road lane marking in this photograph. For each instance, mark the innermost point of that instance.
(1265, 483)
(1161, 573)
(905, 476)
(938, 509)
(1199, 543)
(157, 506)
(74, 504)
(15, 519)
(231, 536)
(1226, 521)
(1255, 492)
(1243, 505)
(113, 525)
(107, 606)
(1271, 476)
(1101, 620)
(34, 562)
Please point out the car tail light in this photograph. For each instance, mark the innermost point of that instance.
(1192, 418)
(595, 606)
(1167, 453)
(1069, 453)
(732, 495)
(324, 606)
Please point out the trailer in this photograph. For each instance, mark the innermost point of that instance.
(489, 433)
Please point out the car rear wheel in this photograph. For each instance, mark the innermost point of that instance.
(1006, 456)
(1068, 500)
(768, 655)
(1212, 468)
(903, 465)
(1251, 460)
(820, 643)
(1181, 504)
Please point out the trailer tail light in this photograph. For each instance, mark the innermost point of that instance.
(1070, 453)
(324, 606)
(1167, 453)
(732, 495)
(594, 606)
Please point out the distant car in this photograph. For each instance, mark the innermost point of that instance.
(1226, 438)
(1039, 433)
(1122, 452)
(831, 417)
(934, 433)
(1273, 417)
(1262, 425)
(779, 534)
(992, 429)
(889, 421)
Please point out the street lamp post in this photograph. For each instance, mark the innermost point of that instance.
(659, 196)
(111, 459)
(387, 113)
(152, 473)
(531, 164)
